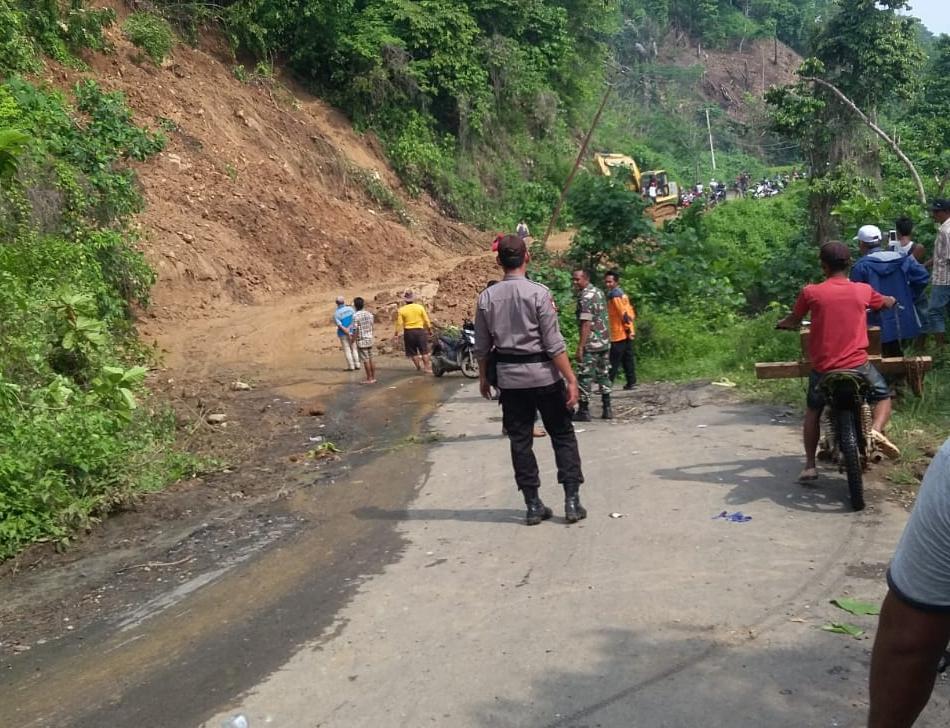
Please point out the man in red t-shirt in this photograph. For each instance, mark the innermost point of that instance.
(839, 340)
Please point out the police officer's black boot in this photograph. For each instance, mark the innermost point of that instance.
(608, 410)
(573, 510)
(537, 511)
(583, 412)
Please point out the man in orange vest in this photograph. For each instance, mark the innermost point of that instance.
(622, 316)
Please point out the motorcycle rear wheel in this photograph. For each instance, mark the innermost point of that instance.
(469, 364)
(846, 430)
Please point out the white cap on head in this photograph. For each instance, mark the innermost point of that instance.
(869, 234)
(340, 299)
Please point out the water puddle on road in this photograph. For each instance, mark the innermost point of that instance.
(200, 644)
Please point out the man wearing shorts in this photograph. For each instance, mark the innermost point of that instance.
(915, 618)
(363, 335)
(413, 321)
(839, 340)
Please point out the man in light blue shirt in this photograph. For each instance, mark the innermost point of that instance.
(343, 318)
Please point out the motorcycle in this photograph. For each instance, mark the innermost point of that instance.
(456, 353)
(846, 424)
(846, 428)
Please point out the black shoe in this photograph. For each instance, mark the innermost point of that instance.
(573, 510)
(583, 413)
(537, 511)
(608, 410)
(628, 387)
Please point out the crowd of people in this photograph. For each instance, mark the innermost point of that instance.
(890, 282)
(718, 191)
(355, 331)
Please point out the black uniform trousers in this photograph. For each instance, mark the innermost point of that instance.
(621, 353)
(518, 408)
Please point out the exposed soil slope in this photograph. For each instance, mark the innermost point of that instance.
(262, 189)
(731, 75)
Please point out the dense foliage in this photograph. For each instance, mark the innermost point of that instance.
(719, 22)
(74, 440)
(152, 33)
(31, 28)
(477, 102)
(873, 55)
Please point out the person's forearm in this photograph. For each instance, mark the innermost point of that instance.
(584, 334)
(563, 364)
(904, 660)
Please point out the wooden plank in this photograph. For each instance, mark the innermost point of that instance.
(889, 366)
(782, 369)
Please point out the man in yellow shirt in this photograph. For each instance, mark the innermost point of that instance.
(413, 321)
(621, 314)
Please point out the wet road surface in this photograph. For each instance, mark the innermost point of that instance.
(408, 592)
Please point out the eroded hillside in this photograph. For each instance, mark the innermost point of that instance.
(262, 189)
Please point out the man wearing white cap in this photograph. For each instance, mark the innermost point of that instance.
(890, 273)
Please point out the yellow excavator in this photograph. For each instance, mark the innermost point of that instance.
(665, 206)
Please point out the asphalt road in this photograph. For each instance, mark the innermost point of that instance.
(664, 616)
(408, 592)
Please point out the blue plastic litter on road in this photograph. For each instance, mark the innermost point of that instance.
(737, 517)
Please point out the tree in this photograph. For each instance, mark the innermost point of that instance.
(869, 52)
(609, 217)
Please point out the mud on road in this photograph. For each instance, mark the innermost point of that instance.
(244, 562)
(211, 590)
(169, 542)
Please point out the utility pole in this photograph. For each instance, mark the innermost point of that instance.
(577, 164)
(712, 149)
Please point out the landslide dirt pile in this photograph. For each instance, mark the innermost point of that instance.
(459, 289)
(262, 190)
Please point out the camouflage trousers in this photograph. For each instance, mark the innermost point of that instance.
(594, 369)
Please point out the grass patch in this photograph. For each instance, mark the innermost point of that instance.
(151, 34)
(677, 346)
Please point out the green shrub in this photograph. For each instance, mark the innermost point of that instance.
(151, 33)
(74, 439)
(58, 29)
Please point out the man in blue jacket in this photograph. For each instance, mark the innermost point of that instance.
(890, 273)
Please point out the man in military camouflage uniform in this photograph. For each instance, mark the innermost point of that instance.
(593, 346)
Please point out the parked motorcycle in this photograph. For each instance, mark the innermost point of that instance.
(456, 353)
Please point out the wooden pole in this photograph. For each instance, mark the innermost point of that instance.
(577, 164)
